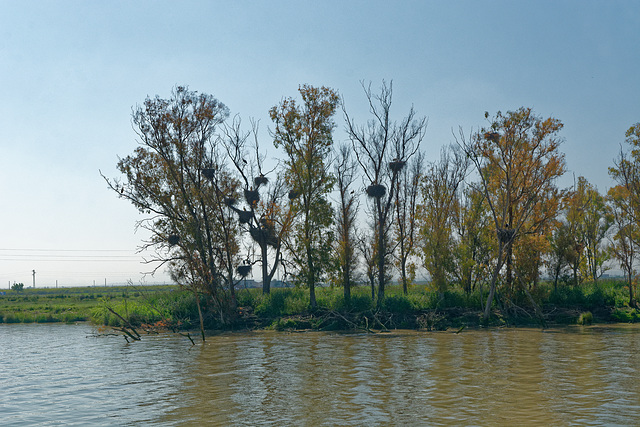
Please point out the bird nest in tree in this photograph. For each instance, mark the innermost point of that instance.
(173, 239)
(376, 190)
(252, 197)
(243, 270)
(230, 201)
(397, 165)
(244, 216)
(264, 235)
(492, 136)
(505, 234)
(260, 180)
(209, 173)
(293, 194)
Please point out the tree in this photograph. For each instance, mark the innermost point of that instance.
(168, 178)
(406, 218)
(574, 217)
(626, 170)
(367, 246)
(17, 286)
(625, 199)
(439, 196)
(265, 217)
(382, 149)
(474, 240)
(625, 241)
(518, 161)
(561, 250)
(305, 133)
(345, 220)
(597, 221)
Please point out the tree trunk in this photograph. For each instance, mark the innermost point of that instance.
(311, 276)
(266, 279)
(494, 281)
(381, 250)
(404, 276)
(347, 290)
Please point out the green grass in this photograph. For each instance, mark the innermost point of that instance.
(78, 304)
(289, 308)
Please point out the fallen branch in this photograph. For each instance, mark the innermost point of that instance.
(127, 325)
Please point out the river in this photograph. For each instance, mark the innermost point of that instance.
(55, 374)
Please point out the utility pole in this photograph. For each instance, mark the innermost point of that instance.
(34, 279)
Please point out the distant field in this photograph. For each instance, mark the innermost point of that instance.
(74, 304)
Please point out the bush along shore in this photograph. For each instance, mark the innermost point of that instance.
(154, 308)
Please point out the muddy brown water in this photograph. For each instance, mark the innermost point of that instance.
(66, 375)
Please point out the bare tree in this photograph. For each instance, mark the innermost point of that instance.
(345, 219)
(382, 148)
(406, 221)
(267, 218)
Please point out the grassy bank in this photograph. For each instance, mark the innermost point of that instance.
(288, 309)
(605, 301)
(46, 305)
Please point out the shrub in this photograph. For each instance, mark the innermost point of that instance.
(11, 318)
(626, 315)
(585, 318)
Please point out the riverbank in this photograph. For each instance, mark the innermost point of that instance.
(168, 307)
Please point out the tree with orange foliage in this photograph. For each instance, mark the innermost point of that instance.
(518, 161)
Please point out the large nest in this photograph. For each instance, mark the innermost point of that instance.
(376, 190)
(209, 173)
(264, 235)
(173, 239)
(492, 136)
(505, 234)
(244, 216)
(243, 270)
(397, 165)
(260, 180)
(252, 197)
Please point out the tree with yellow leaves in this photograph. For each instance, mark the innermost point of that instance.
(518, 160)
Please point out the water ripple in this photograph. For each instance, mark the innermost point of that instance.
(65, 375)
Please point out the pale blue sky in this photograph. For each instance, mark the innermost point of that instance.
(70, 72)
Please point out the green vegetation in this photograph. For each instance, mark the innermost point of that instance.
(89, 304)
(171, 308)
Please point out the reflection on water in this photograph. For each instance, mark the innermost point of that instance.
(580, 376)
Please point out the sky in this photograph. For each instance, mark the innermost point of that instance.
(71, 72)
